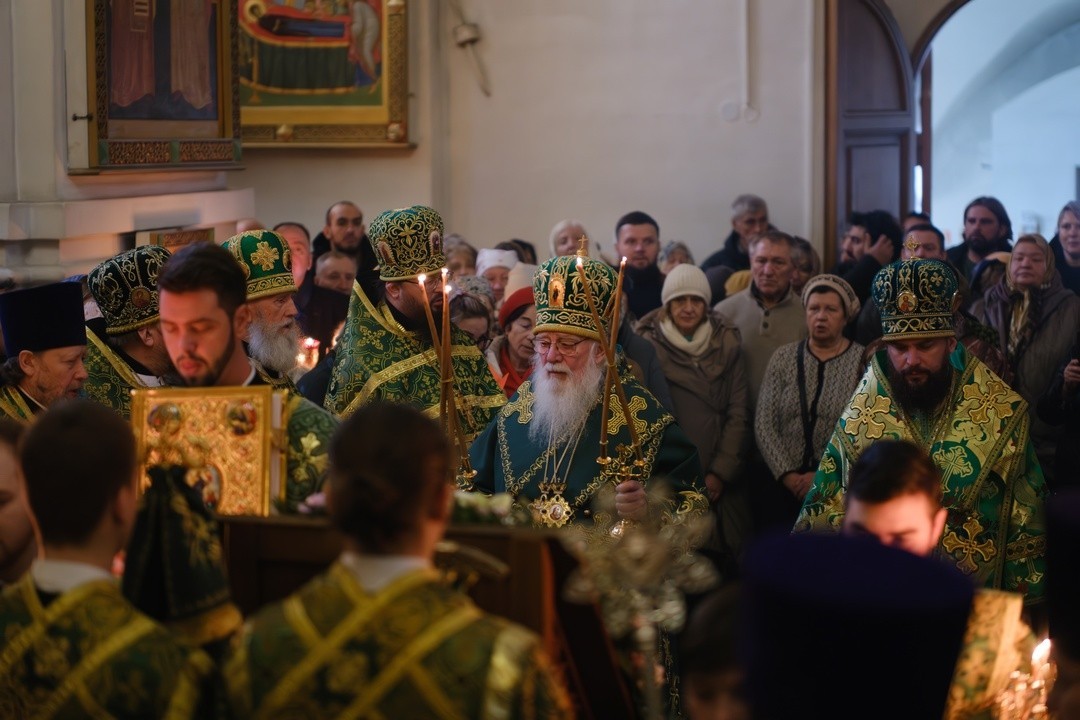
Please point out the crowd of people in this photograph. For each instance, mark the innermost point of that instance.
(921, 395)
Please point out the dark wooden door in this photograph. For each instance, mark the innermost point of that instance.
(870, 145)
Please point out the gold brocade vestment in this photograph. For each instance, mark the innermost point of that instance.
(414, 649)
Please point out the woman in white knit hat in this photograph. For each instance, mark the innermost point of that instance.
(703, 364)
(494, 266)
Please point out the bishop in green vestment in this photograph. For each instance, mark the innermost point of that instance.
(380, 634)
(125, 348)
(386, 353)
(925, 388)
(544, 445)
(45, 341)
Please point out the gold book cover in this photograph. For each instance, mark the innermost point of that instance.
(229, 438)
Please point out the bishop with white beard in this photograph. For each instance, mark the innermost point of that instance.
(543, 446)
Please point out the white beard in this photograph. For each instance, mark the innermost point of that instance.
(274, 347)
(562, 401)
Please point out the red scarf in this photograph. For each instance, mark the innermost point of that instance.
(511, 378)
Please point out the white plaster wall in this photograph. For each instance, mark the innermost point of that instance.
(7, 115)
(1036, 151)
(598, 108)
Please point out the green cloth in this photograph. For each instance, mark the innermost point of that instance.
(89, 653)
(109, 380)
(266, 260)
(377, 359)
(309, 429)
(175, 570)
(506, 459)
(415, 649)
(992, 482)
(14, 405)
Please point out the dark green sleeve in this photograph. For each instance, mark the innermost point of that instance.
(483, 454)
(309, 429)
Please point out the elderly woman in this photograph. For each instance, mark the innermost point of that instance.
(675, 252)
(807, 386)
(1036, 319)
(510, 355)
(700, 356)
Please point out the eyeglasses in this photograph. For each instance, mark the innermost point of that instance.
(483, 342)
(432, 283)
(567, 348)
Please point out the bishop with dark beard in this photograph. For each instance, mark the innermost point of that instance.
(927, 389)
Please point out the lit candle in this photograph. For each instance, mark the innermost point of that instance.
(609, 351)
(447, 393)
(422, 280)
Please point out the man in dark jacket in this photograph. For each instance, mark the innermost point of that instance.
(637, 238)
(987, 229)
(872, 241)
(749, 217)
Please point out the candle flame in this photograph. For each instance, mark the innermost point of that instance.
(422, 278)
(623, 261)
(580, 261)
(1041, 655)
(444, 273)
(448, 288)
(311, 342)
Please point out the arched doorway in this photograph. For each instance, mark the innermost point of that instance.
(999, 108)
(925, 129)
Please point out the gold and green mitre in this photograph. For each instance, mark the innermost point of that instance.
(562, 304)
(407, 242)
(378, 359)
(125, 290)
(264, 257)
(916, 299)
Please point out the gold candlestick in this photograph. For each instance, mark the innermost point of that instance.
(609, 351)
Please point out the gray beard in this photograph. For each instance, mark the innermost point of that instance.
(275, 348)
(561, 406)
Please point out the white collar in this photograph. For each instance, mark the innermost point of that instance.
(150, 380)
(60, 576)
(374, 572)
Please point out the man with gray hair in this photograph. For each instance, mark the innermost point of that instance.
(749, 217)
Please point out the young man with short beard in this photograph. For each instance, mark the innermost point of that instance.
(927, 389)
(987, 229)
(543, 446)
(204, 316)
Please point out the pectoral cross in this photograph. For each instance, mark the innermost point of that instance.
(583, 250)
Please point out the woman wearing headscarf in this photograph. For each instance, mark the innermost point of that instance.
(807, 386)
(1036, 319)
(700, 356)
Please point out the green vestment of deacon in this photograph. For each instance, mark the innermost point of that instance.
(110, 379)
(309, 429)
(507, 459)
(993, 485)
(377, 359)
(415, 649)
(90, 654)
(14, 405)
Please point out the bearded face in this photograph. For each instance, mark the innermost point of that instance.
(274, 345)
(566, 390)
